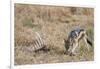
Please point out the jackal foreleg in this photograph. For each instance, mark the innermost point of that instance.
(74, 47)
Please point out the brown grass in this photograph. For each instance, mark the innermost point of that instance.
(54, 23)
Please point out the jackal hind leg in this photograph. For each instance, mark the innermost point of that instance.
(87, 46)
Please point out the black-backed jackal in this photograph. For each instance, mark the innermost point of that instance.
(73, 40)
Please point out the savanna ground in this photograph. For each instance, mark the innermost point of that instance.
(54, 23)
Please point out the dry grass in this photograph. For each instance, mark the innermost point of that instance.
(54, 23)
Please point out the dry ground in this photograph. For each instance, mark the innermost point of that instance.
(54, 23)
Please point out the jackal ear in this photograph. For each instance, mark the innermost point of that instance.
(65, 40)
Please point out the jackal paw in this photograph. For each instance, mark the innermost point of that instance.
(72, 54)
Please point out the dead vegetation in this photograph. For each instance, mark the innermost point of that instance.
(54, 23)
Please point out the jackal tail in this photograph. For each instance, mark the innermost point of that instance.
(89, 42)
